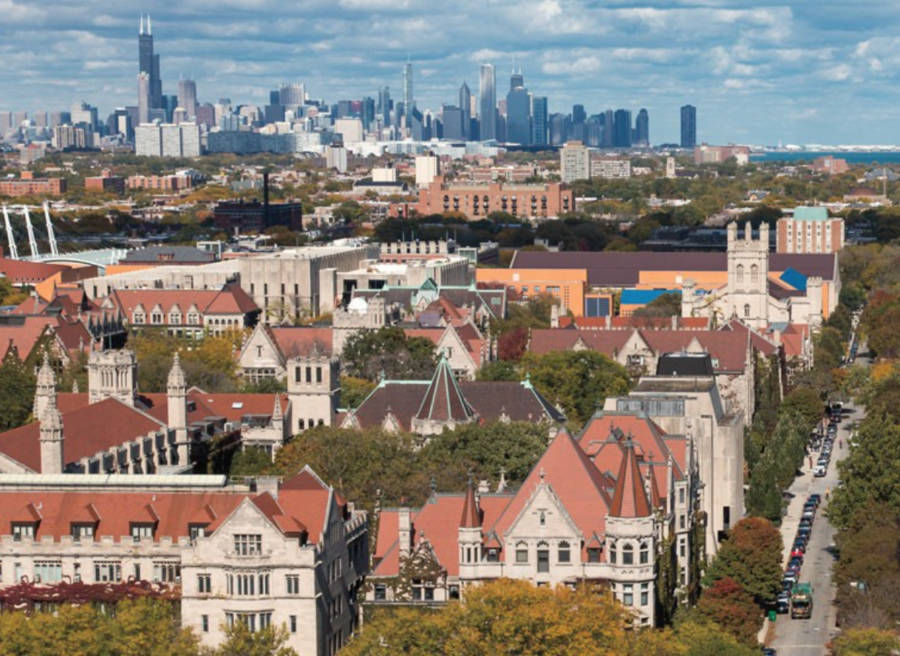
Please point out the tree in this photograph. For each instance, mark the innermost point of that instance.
(866, 642)
(370, 353)
(705, 638)
(499, 370)
(727, 604)
(354, 391)
(250, 461)
(806, 402)
(209, 363)
(17, 385)
(664, 305)
(502, 617)
(751, 556)
(146, 626)
(240, 641)
(579, 381)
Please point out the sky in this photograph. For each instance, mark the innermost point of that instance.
(801, 71)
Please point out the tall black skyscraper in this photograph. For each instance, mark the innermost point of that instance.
(518, 111)
(149, 63)
(688, 126)
(642, 128)
(622, 129)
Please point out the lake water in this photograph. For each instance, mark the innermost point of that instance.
(859, 157)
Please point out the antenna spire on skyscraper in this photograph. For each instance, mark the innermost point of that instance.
(141, 30)
(149, 29)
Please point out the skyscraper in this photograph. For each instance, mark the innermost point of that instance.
(187, 97)
(539, 121)
(384, 106)
(408, 102)
(518, 111)
(642, 128)
(292, 94)
(688, 126)
(622, 129)
(465, 106)
(143, 80)
(488, 96)
(149, 63)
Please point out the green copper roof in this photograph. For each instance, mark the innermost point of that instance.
(805, 213)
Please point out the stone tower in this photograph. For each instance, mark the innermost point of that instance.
(176, 405)
(51, 438)
(45, 391)
(112, 373)
(314, 389)
(748, 276)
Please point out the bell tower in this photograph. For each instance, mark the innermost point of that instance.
(748, 276)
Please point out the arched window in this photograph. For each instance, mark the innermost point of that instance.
(302, 424)
(644, 553)
(628, 555)
(521, 552)
(612, 552)
(746, 309)
(754, 273)
(563, 552)
(740, 273)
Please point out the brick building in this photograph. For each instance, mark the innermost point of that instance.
(534, 201)
(28, 185)
(809, 230)
(105, 182)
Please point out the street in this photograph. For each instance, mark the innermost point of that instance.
(796, 637)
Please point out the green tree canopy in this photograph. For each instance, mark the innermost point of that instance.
(751, 556)
(370, 353)
(727, 604)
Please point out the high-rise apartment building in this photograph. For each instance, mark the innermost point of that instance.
(384, 106)
(187, 97)
(487, 92)
(688, 126)
(809, 230)
(167, 140)
(518, 111)
(84, 114)
(642, 128)
(539, 121)
(574, 162)
(465, 106)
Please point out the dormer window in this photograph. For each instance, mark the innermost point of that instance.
(196, 531)
(140, 531)
(23, 530)
(82, 532)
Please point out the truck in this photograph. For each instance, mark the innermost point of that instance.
(801, 601)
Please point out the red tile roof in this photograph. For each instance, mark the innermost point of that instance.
(23, 272)
(443, 400)
(661, 323)
(471, 514)
(292, 341)
(300, 507)
(87, 430)
(229, 300)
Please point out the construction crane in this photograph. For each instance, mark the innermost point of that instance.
(13, 251)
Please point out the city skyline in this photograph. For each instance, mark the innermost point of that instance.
(729, 59)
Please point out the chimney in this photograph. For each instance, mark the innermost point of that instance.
(404, 533)
(267, 484)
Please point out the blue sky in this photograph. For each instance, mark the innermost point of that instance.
(821, 71)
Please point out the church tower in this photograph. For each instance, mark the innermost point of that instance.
(748, 276)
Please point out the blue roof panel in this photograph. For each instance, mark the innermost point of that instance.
(794, 278)
(644, 296)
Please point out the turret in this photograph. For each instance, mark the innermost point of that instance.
(45, 390)
(176, 404)
(51, 439)
(469, 534)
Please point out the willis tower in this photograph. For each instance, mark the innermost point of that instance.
(148, 64)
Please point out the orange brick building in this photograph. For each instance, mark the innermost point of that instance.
(476, 201)
(28, 185)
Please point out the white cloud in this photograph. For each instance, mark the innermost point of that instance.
(837, 73)
(579, 66)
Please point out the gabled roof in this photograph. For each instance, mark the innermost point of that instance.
(293, 341)
(443, 401)
(629, 498)
(231, 299)
(575, 481)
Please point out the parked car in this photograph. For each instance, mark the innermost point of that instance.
(820, 471)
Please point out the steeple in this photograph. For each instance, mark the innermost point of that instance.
(51, 439)
(176, 406)
(471, 514)
(629, 498)
(444, 401)
(176, 375)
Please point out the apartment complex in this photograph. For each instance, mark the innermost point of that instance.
(574, 162)
(809, 230)
(28, 185)
(533, 201)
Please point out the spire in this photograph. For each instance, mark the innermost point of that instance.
(471, 514)
(149, 30)
(46, 377)
(444, 400)
(176, 375)
(141, 29)
(629, 498)
(51, 438)
(45, 388)
(276, 412)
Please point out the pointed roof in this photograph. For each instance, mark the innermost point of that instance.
(46, 377)
(176, 374)
(629, 498)
(471, 514)
(444, 400)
